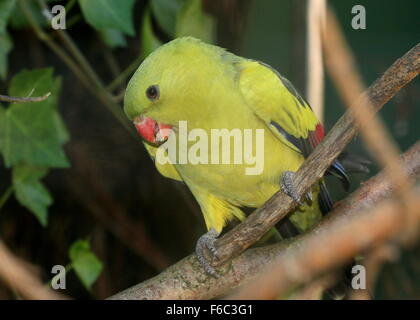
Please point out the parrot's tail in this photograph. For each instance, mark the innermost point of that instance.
(324, 198)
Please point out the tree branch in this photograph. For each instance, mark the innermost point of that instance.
(14, 273)
(319, 252)
(258, 223)
(187, 280)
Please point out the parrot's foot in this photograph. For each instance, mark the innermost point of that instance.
(288, 187)
(206, 241)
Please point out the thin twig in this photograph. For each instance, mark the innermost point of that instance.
(72, 47)
(24, 99)
(316, 10)
(124, 75)
(6, 195)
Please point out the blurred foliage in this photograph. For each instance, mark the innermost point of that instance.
(165, 12)
(31, 142)
(107, 182)
(30, 192)
(111, 18)
(6, 7)
(85, 263)
(176, 18)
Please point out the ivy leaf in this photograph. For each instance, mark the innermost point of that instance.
(87, 266)
(33, 132)
(109, 14)
(35, 82)
(149, 42)
(30, 192)
(165, 12)
(193, 21)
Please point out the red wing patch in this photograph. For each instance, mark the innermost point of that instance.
(315, 137)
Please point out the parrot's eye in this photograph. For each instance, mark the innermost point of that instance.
(152, 93)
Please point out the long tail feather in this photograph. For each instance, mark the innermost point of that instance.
(338, 171)
(324, 199)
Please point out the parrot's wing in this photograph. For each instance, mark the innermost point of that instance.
(167, 170)
(274, 99)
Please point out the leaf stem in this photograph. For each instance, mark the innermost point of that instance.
(125, 74)
(6, 195)
(70, 5)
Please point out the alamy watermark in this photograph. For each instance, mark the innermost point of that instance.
(57, 17)
(59, 280)
(359, 19)
(358, 281)
(222, 146)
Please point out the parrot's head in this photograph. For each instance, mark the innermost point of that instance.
(172, 85)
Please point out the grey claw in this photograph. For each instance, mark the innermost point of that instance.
(288, 187)
(206, 242)
(309, 196)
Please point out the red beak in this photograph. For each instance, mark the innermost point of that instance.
(152, 131)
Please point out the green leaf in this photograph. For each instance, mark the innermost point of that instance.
(87, 266)
(60, 128)
(35, 82)
(2, 121)
(30, 192)
(18, 19)
(109, 14)
(113, 38)
(165, 12)
(193, 21)
(6, 44)
(33, 132)
(6, 7)
(149, 42)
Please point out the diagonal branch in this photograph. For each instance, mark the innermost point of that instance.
(187, 280)
(329, 248)
(15, 274)
(259, 223)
